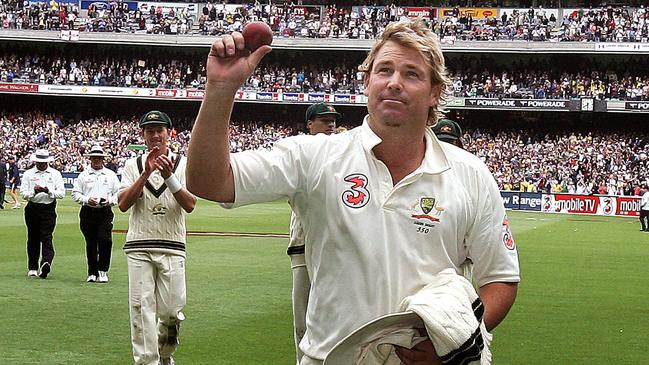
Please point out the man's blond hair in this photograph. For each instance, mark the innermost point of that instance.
(416, 35)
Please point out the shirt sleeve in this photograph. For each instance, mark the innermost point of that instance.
(26, 190)
(262, 176)
(114, 189)
(490, 243)
(128, 175)
(77, 190)
(59, 186)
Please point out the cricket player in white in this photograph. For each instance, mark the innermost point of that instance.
(385, 206)
(320, 119)
(152, 187)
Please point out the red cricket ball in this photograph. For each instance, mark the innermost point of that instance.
(257, 34)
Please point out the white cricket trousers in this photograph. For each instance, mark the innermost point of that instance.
(301, 288)
(310, 361)
(157, 295)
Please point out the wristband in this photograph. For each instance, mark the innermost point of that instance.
(173, 184)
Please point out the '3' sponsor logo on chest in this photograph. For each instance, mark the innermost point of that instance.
(357, 196)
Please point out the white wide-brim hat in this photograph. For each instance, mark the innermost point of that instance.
(42, 155)
(448, 308)
(348, 350)
(96, 151)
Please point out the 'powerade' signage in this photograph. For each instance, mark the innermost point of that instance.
(540, 104)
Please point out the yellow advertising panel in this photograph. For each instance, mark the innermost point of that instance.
(476, 13)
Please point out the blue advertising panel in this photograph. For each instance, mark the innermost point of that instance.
(291, 96)
(342, 98)
(69, 178)
(519, 200)
(508, 198)
(132, 5)
(530, 201)
(264, 96)
(316, 97)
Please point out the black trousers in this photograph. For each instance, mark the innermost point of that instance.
(97, 227)
(40, 220)
(644, 217)
(3, 189)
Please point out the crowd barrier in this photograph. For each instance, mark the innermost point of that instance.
(604, 205)
(563, 105)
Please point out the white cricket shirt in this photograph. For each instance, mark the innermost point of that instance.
(157, 221)
(370, 244)
(98, 184)
(50, 177)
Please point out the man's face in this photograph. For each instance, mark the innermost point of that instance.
(155, 135)
(41, 166)
(399, 87)
(322, 124)
(97, 163)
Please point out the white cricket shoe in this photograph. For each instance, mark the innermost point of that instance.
(32, 273)
(103, 277)
(91, 279)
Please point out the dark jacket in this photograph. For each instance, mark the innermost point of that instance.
(3, 173)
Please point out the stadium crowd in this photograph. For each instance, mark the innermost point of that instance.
(115, 17)
(599, 24)
(473, 76)
(605, 24)
(582, 163)
(591, 163)
(68, 142)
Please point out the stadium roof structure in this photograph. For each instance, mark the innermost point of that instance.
(327, 43)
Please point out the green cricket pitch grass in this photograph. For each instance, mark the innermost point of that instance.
(582, 299)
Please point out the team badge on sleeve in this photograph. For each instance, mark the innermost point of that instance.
(508, 237)
(357, 196)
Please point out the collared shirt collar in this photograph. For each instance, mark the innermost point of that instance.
(435, 160)
(93, 171)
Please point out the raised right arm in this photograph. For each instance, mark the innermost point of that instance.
(229, 64)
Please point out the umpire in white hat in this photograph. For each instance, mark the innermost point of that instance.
(41, 186)
(96, 190)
